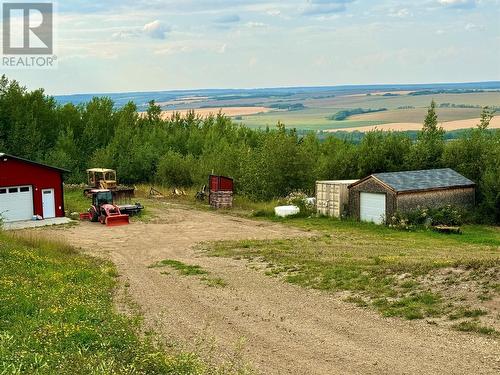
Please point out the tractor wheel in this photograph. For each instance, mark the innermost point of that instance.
(93, 216)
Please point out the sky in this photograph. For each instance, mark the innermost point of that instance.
(151, 45)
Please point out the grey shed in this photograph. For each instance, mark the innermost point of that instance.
(376, 197)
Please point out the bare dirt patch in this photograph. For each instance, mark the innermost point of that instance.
(283, 329)
(228, 111)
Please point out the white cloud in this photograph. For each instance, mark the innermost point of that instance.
(125, 34)
(156, 30)
(401, 13)
(191, 46)
(472, 26)
(459, 4)
(230, 18)
(322, 7)
(274, 12)
(255, 24)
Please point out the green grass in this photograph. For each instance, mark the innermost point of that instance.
(472, 234)
(471, 326)
(214, 282)
(75, 201)
(183, 268)
(191, 270)
(467, 313)
(57, 317)
(390, 270)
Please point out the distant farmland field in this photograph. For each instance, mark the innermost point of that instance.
(314, 108)
(228, 111)
(418, 114)
(408, 126)
(400, 109)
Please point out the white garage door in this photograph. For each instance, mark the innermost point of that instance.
(372, 207)
(16, 203)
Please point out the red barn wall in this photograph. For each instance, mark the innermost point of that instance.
(15, 172)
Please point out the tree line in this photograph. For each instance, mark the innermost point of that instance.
(182, 151)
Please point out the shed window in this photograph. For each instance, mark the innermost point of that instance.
(3, 191)
(13, 190)
(24, 189)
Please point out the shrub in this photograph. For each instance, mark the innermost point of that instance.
(426, 217)
(300, 199)
(175, 169)
(447, 215)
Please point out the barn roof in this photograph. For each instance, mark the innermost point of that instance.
(431, 179)
(2, 155)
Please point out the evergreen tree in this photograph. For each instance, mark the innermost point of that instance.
(427, 152)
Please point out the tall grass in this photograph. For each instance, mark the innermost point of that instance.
(57, 317)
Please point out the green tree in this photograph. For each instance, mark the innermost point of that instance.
(381, 151)
(175, 170)
(427, 152)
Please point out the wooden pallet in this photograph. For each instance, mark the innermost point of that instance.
(446, 229)
(221, 199)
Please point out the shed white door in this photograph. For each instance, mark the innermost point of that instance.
(48, 203)
(16, 203)
(372, 207)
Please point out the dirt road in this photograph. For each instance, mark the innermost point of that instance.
(285, 329)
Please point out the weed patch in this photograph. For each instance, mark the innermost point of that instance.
(471, 326)
(467, 313)
(215, 282)
(183, 268)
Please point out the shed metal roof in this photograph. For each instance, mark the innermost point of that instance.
(3, 155)
(432, 179)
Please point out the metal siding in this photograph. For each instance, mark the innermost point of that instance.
(15, 172)
(220, 183)
(331, 197)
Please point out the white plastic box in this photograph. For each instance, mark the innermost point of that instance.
(285, 211)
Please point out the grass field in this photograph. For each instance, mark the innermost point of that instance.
(57, 317)
(308, 119)
(449, 280)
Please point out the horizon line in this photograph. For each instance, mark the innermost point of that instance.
(277, 88)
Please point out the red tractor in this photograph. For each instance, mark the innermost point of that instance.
(104, 210)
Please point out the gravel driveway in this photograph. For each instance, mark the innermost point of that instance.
(284, 329)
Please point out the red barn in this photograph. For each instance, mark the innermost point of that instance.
(28, 188)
